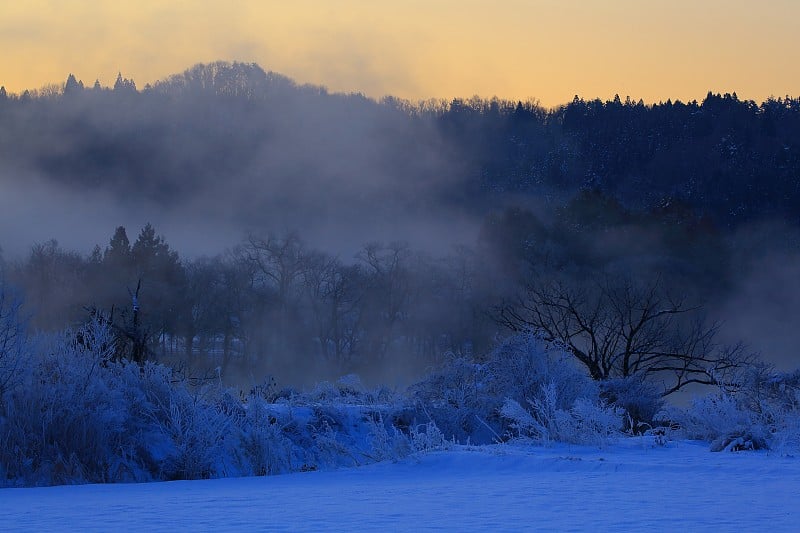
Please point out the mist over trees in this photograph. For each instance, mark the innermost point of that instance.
(376, 235)
(267, 143)
(271, 305)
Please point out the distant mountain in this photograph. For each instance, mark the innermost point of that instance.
(232, 134)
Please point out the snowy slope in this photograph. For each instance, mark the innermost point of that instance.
(633, 486)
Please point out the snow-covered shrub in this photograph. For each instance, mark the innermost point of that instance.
(336, 424)
(466, 399)
(348, 390)
(196, 434)
(523, 364)
(67, 419)
(586, 422)
(763, 412)
(74, 414)
(453, 397)
(775, 397)
(324, 391)
(428, 437)
(721, 420)
(523, 422)
(387, 443)
(79, 416)
(264, 448)
(337, 435)
(592, 423)
(332, 448)
(640, 399)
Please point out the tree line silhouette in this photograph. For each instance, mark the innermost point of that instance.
(235, 127)
(270, 305)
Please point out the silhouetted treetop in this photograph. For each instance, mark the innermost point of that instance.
(72, 85)
(243, 80)
(124, 85)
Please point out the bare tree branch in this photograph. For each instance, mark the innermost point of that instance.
(620, 328)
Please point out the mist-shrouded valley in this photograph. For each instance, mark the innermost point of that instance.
(228, 273)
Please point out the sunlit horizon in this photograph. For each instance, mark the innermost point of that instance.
(519, 50)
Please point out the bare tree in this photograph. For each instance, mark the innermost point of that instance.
(618, 328)
(389, 291)
(279, 261)
(12, 337)
(53, 280)
(334, 295)
(277, 267)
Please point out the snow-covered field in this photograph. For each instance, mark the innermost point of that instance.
(632, 486)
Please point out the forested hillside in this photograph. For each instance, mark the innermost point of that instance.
(382, 236)
(262, 140)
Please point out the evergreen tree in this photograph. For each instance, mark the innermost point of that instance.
(152, 254)
(124, 84)
(163, 281)
(118, 254)
(72, 86)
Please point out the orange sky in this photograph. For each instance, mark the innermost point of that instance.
(416, 49)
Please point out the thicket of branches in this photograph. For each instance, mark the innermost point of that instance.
(621, 328)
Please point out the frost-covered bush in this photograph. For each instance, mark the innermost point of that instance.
(343, 423)
(640, 399)
(543, 421)
(73, 413)
(349, 390)
(524, 363)
(721, 420)
(453, 397)
(79, 416)
(762, 412)
(387, 442)
(196, 437)
(466, 399)
(76, 415)
(428, 437)
(265, 448)
(63, 421)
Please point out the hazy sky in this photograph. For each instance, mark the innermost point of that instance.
(547, 49)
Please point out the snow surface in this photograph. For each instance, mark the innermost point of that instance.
(633, 486)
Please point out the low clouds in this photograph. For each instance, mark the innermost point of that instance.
(204, 169)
